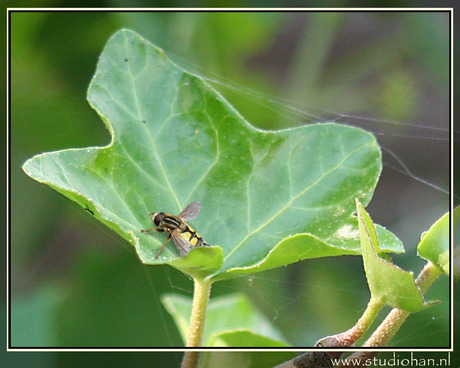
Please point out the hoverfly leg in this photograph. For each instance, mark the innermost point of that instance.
(152, 228)
(167, 240)
(146, 231)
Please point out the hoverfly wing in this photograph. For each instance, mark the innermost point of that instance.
(182, 244)
(191, 211)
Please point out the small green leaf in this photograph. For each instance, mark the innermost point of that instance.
(233, 314)
(434, 244)
(176, 140)
(244, 339)
(198, 263)
(388, 283)
(180, 308)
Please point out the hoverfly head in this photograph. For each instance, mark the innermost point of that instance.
(157, 218)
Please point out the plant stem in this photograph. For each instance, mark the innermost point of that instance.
(380, 337)
(191, 359)
(202, 289)
(201, 292)
(427, 276)
(387, 329)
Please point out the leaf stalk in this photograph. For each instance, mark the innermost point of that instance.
(201, 293)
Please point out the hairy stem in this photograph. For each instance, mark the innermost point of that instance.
(427, 276)
(201, 292)
(190, 359)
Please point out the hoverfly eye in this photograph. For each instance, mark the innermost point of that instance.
(158, 218)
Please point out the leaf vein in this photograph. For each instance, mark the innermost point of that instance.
(152, 140)
(293, 199)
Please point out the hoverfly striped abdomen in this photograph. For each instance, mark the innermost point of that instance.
(193, 238)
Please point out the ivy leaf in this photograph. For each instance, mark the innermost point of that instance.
(434, 244)
(232, 320)
(388, 283)
(176, 140)
(308, 246)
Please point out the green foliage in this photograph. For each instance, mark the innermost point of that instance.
(51, 114)
(388, 283)
(232, 320)
(175, 140)
(456, 237)
(245, 338)
(435, 243)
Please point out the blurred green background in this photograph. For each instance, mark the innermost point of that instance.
(75, 283)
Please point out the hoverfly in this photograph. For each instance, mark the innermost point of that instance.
(183, 234)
